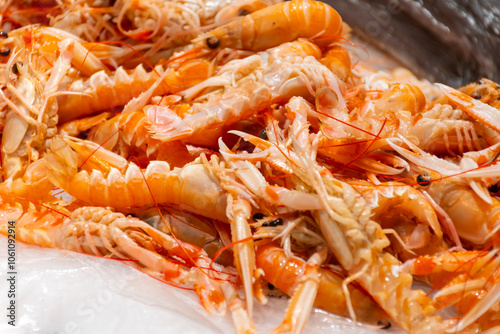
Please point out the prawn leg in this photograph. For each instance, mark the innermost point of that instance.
(303, 297)
(243, 250)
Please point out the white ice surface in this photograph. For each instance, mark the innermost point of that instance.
(64, 292)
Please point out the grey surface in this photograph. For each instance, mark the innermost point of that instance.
(453, 42)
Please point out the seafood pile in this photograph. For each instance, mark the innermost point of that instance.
(236, 147)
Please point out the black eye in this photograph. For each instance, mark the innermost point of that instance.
(494, 189)
(258, 216)
(15, 69)
(84, 135)
(263, 134)
(213, 42)
(276, 222)
(384, 324)
(423, 180)
(243, 12)
(4, 52)
(4, 35)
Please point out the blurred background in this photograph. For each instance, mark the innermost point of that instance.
(453, 41)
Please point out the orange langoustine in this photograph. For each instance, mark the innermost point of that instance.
(261, 138)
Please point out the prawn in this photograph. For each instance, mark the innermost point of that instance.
(42, 44)
(356, 136)
(166, 25)
(480, 111)
(407, 207)
(187, 227)
(275, 25)
(33, 185)
(244, 87)
(100, 232)
(32, 114)
(286, 273)
(195, 187)
(344, 153)
(83, 168)
(127, 134)
(474, 213)
(356, 241)
(470, 283)
(102, 91)
(444, 130)
(239, 213)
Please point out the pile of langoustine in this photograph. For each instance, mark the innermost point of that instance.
(199, 137)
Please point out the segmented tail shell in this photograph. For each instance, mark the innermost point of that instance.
(103, 91)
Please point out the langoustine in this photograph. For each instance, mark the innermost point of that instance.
(100, 232)
(467, 279)
(284, 172)
(290, 66)
(356, 241)
(31, 116)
